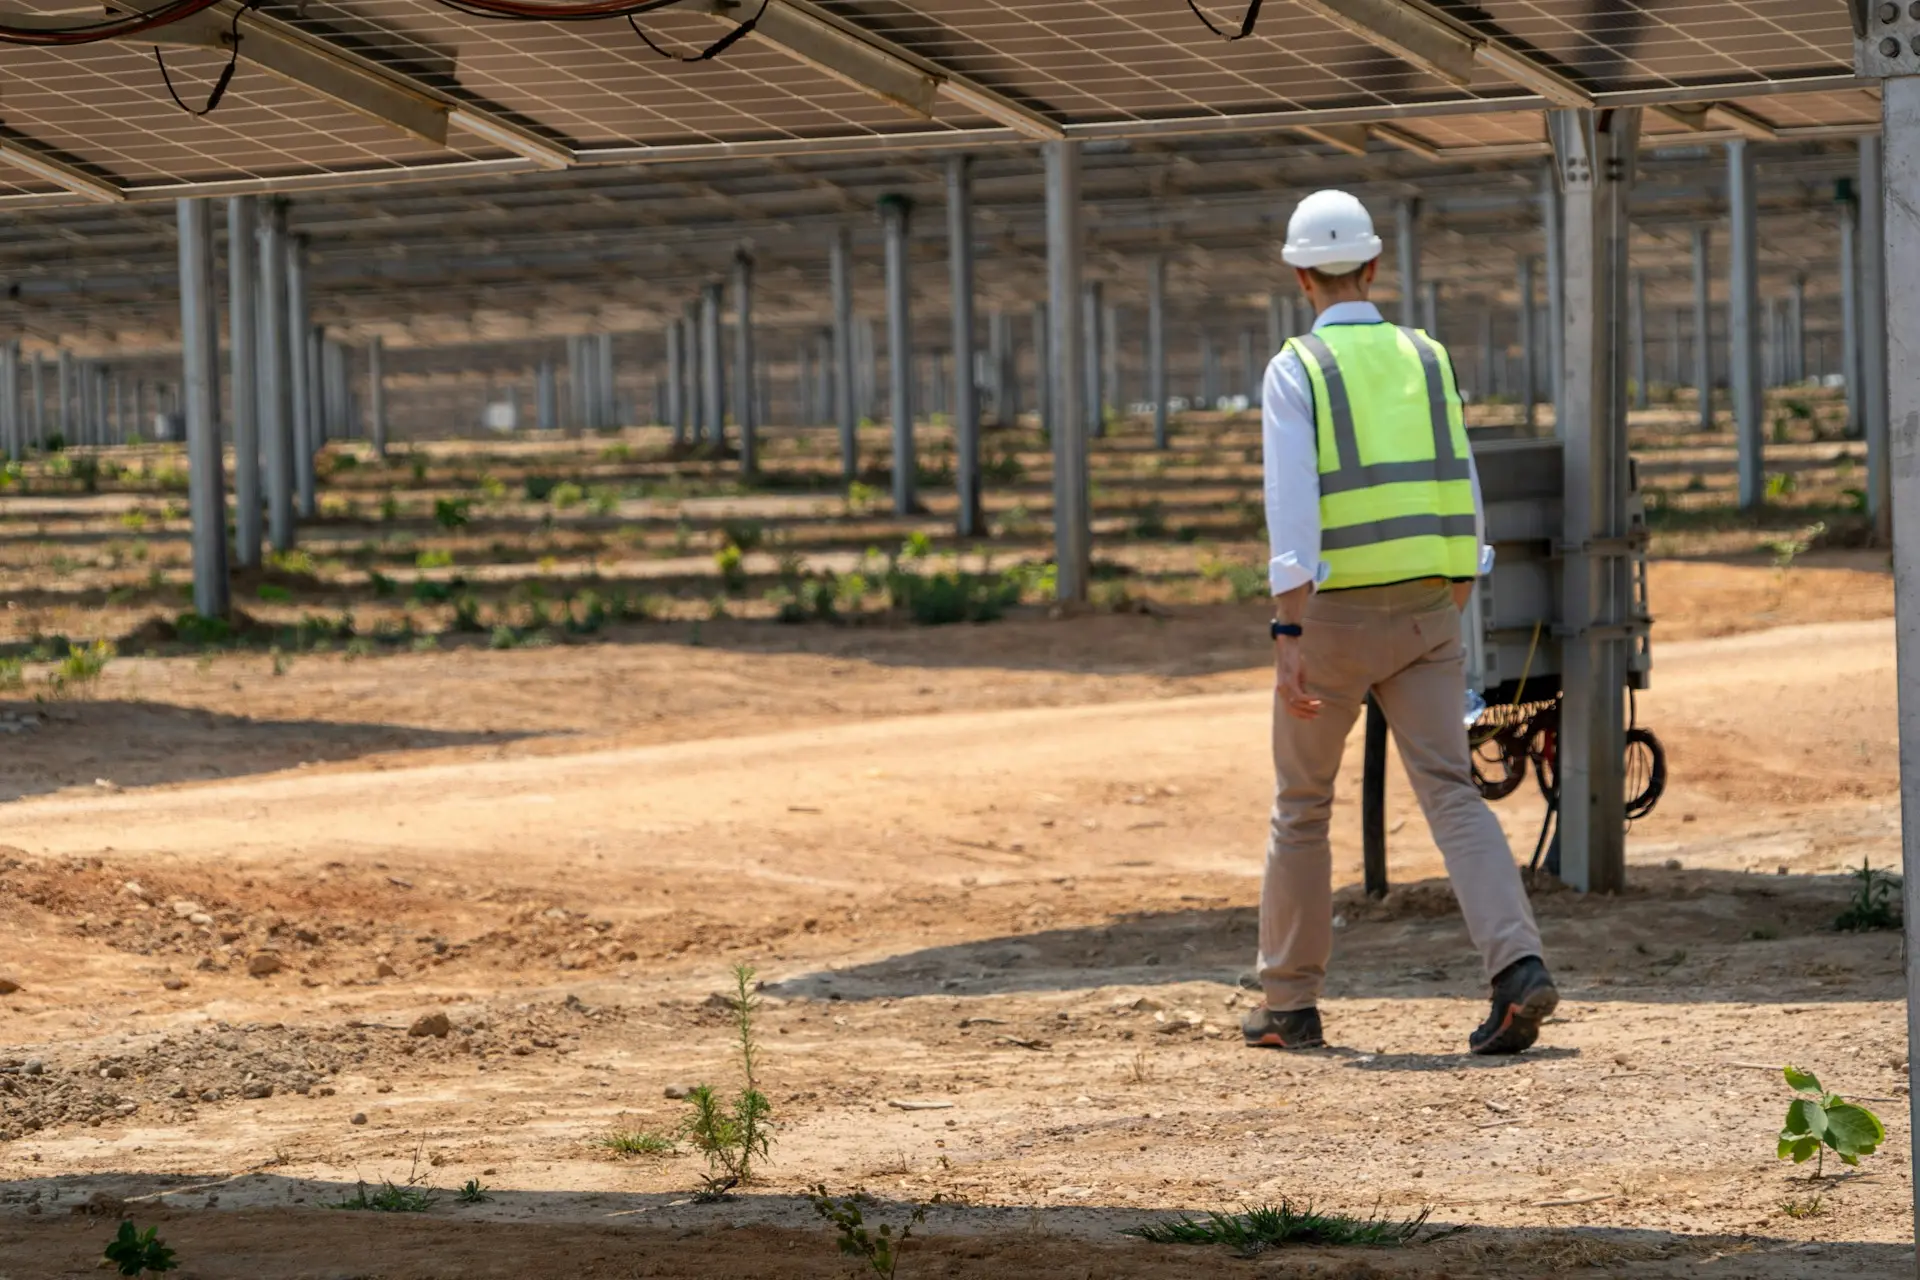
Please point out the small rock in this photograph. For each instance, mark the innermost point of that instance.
(307, 937)
(1781, 869)
(34, 1067)
(115, 1072)
(679, 1090)
(8, 986)
(1673, 864)
(264, 963)
(210, 1095)
(384, 970)
(359, 1117)
(256, 1089)
(1339, 922)
(186, 909)
(175, 984)
(200, 918)
(436, 1025)
(1147, 1004)
(106, 784)
(132, 887)
(179, 1091)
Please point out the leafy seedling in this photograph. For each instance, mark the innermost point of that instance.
(731, 1135)
(472, 1192)
(878, 1248)
(1875, 903)
(452, 513)
(1818, 1121)
(1254, 1231)
(140, 1252)
(639, 1143)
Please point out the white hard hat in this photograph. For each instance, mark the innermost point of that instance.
(1330, 229)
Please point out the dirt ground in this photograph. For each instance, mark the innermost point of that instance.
(999, 885)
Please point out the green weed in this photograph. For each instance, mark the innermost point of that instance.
(472, 1192)
(272, 593)
(81, 669)
(642, 1142)
(1244, 581)
(539, 488)
(733, 1135)
(1786, 550)
(434, 558)
(566, 495)
(389, 1198)
(382, 585)
(452, 513)
(1875, 903)
(733, 575)
(1254, 1231)
(746, 535)
(197, 629)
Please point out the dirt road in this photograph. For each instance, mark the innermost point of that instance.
(1023, 921)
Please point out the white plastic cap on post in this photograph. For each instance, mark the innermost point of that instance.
(1332, 231)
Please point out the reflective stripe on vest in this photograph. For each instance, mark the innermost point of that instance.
(1399, 517)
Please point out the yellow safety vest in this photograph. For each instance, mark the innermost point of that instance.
(1396, 500)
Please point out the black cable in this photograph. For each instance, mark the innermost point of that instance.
(226, 72)
(713, 50)
(1246, 23)
(497, 11)
(109, 29)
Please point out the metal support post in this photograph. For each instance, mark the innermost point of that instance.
(317, 388)
(609, 384)
(1157, 346)
(676, 392)
(1743, 321)
(1247, 377)
(1000, 366)
(1091, 308)
(1043, 368)
(1407, 231)
(966, 399)
(1072, 529)
(1595, 157)
(1552, 226)
(10, 420)
(894, 213)
(243, 341)
(546, 397)
(277, 439)
(1486, 353)
(1797, 331)
(63, 409)
(37, 397)
(1703, 324)
(1876, 281)
(713, 386)
(1529, 345)
(846, 399)
(1430, 306)
(306, 433)
(1276, 330)
(377, 394)
(1638, 323)
(1849, 213)
(200, 360)
(746, 402)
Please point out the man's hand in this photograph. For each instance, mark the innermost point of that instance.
(1290, 679)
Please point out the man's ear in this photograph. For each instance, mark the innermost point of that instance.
(1371, 269)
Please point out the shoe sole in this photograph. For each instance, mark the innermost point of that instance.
(1521, 1027)
(1272, 1040)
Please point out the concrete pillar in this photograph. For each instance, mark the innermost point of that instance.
(1596, 154)
(200, 361)
(713, 396)
(1072, 528)
(1407, 231)
(1743, 320)
(277, 437)
(1157, 346)
(1529, 345)
(306, 432)
(1703, 324)
(746, 404)
(966, 403)
(243, 346)
(895, 211)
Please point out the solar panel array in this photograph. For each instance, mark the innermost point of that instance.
(588, 93)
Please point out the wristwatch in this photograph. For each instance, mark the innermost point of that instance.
(1280, 628)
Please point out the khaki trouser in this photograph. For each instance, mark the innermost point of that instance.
(1403, 643)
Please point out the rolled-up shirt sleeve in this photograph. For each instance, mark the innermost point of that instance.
(1479, 518)
(1291, 460)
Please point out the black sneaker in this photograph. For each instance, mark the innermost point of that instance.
(1297, 1029)
(1523, 997)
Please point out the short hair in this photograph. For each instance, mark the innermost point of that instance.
(1327, 279)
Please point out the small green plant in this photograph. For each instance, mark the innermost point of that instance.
(194, 628)
(1818, 1121)
(452, 513)
(1003, 468)
(389, 1198)
(1150, 521)
(918, 546)
(566, 495)
(138, 1253)
(272, 593)
(466, 615)
(1780, 484)
(861, 498)
(604, 500)
(641, 1142)
(880, 1248)
(295, 563)
(81, 668)
(13, 674)
(539, 488)
(389, 507)
(733, 1135)
(747, 535)
(1786, 550)
(418, 466)
(733, 575)
(1244, 581)
(382, 585)
(434, 558)
(1875, 903)
(1807, 1207)
(1254, 1231)
(473, 1192)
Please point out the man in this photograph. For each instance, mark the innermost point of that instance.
(1374, 519)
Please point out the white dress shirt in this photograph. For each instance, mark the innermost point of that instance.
(1292, 457)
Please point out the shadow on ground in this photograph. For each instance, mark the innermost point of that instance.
(1673, 937)
(111, 744)
(275, 1228)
